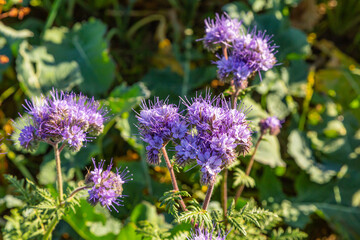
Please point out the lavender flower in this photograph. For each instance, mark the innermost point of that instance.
(218, 135)
(271, 123)
(107, 186)
(203, 234)
(233, 69)
(159, 122)
(256, 49)
(222, 31)
(62, 117)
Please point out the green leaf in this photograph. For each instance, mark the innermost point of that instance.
(13, 35)
(288, 234)
(123, 99)
(39, 72)
(163, 83)
(299, 149)
(92, 223)
(268, 152)
(242, 179)
(85, 44)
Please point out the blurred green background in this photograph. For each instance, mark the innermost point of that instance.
(124, 51)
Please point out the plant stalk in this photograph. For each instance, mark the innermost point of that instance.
(248, 169)
(208, 194)
(74, 193)
(51, 228)
(173, 178)
(58, 171)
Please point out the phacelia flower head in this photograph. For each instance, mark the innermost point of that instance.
(234, 69)
(271, 123)
(203, 234)
(107, 186)
(256, 49)
(221, 31)
(62, 117)
(159, 122)
(218, 135)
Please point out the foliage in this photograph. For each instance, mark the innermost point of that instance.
(123, 53)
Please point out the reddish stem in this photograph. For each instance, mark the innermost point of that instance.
(173, 178)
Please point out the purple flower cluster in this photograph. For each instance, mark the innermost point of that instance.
(159, 122)
(107, 186)
(210, 134)
(203, 234)
(217, 135)
(249, 53)
(220, 32)
(61, 117)
(273, 124)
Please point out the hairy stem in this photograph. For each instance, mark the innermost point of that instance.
(74, 193)
(58, 171)
(208, 194)
(224, 192)
(51, 228)
(173, 178)
(248, 169)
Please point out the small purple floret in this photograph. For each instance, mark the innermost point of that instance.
(107, 186)
(273, 124)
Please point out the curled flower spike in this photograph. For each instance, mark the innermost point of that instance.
(107, 186)
(273, 124)
(159, 122)
(203, 234)
(61, 117)
(221, 31)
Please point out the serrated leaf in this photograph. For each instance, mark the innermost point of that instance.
(242, 179)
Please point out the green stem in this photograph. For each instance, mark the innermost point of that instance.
(51, 228)
(52, 16)
(74, 193)
(58, 171)
(248, 169)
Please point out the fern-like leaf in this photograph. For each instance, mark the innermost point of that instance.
(170, 201)
(240, 178)
(288, 234)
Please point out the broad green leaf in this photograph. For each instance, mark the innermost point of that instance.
(123, 99)
(12, 35)
(268, 152)
(163, 83)
(93, 223)
(85, 44)
(299, 149)
(38, 71)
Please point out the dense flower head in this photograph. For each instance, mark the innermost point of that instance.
(273, 124)
(107, 186)
(218, 135)
(159, 122)
(62, 117)
(221, 31)
(233, 69)
(245, 53)
(204, 234)
(256, 49)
